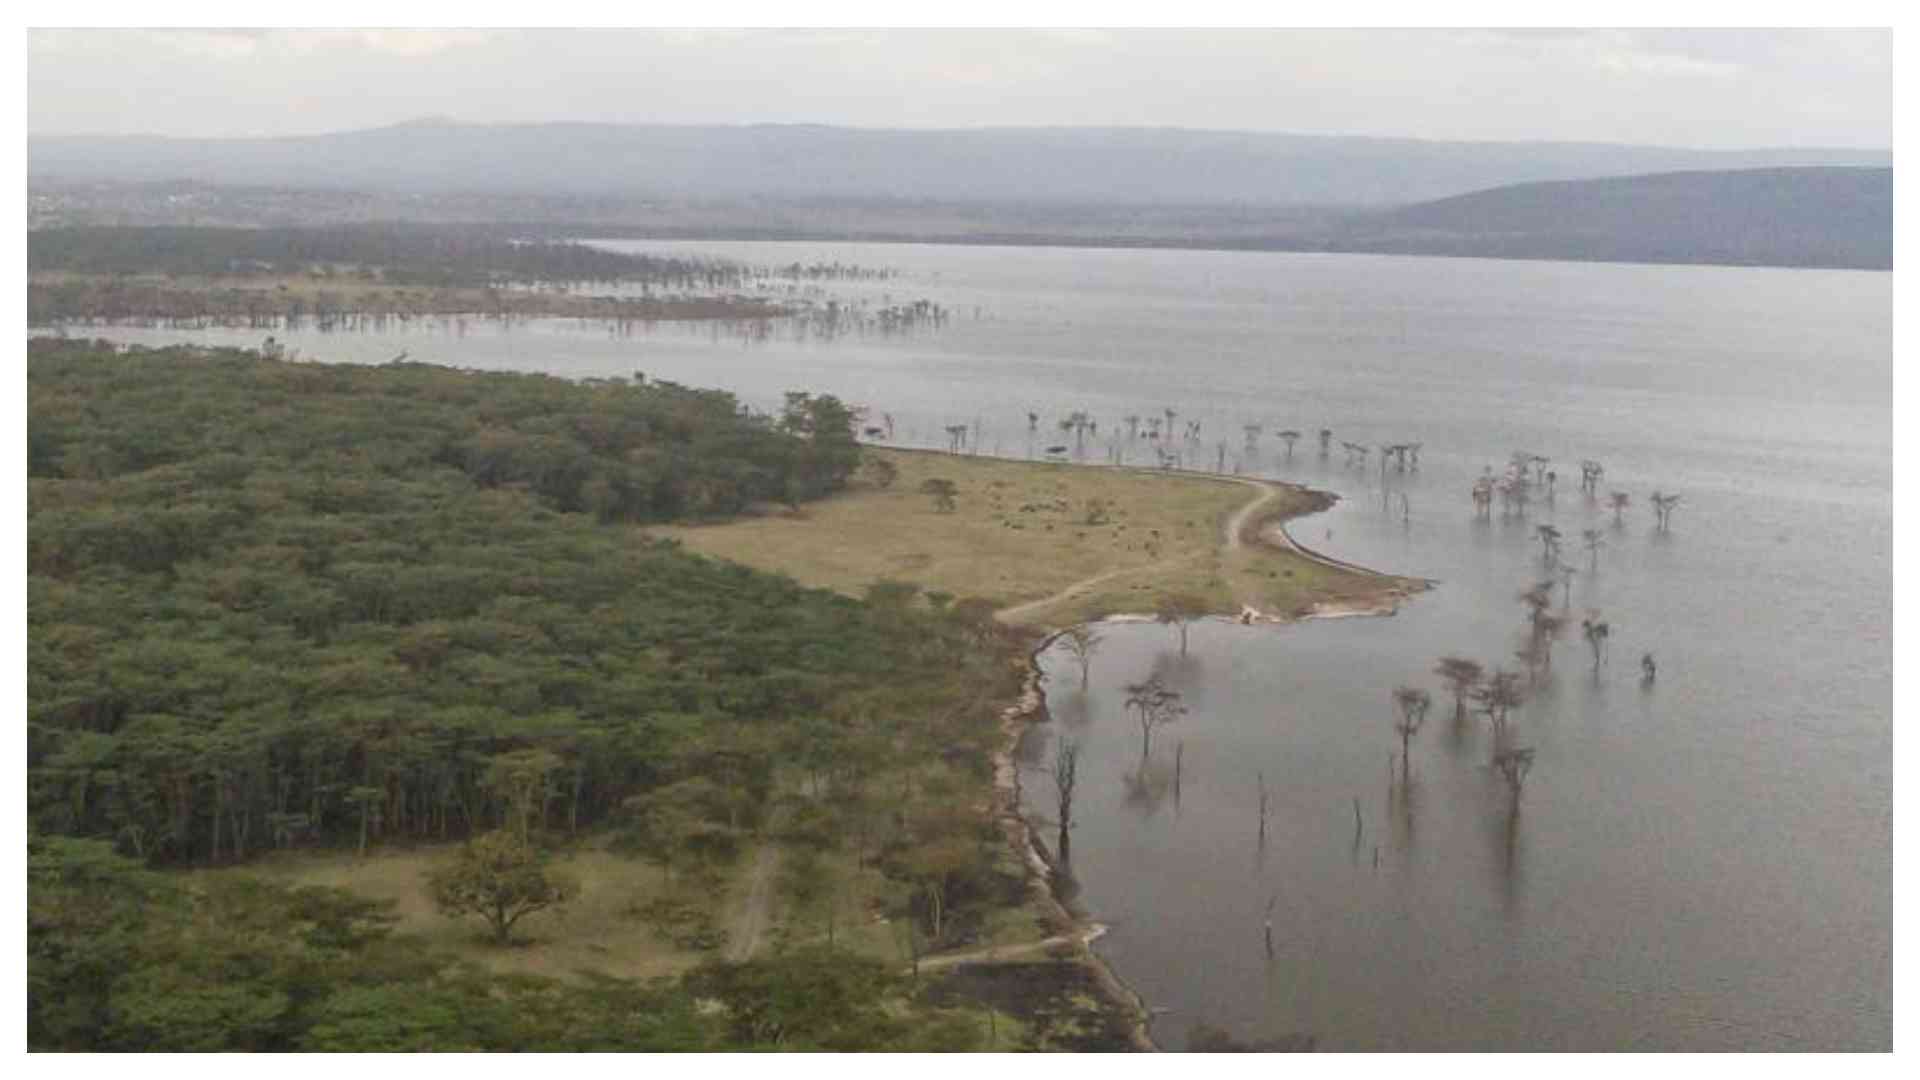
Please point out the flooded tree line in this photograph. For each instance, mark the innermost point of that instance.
(362, 279)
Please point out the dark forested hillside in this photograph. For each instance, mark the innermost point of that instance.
(1824, 217)
(408, 255)
(1107, 165)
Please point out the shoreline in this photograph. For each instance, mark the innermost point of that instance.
(1080, 930)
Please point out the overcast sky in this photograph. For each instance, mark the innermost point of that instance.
(1697, 88)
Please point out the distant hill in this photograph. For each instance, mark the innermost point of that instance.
(1100, 166)
(1816, 217)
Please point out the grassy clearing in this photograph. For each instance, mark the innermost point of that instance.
(1024, 531)
(597, 932)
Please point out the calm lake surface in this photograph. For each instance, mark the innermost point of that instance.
(1699, 864)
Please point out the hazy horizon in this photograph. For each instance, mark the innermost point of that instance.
(1679, 89)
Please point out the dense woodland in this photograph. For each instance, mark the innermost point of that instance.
(283, 606)
(443, 256)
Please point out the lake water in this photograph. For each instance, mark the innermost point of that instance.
(1699, 864)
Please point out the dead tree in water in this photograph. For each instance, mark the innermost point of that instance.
(1262, 778)
(1461, 675)
(1663, 508)
(1413, 704)
(1080, 643)
(1498, 695)
(1066, 776)
(1513, 766)
(1157, 706)
(1596, 633)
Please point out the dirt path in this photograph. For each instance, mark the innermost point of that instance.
(1234, 525)
(1237, 524)
(999, 953)
(757, 910)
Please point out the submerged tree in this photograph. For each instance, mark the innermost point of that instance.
(1619, 500)
(1155, 706)
(1066, 776)
(1288, 437)
(1594, 540)
(1596, 633)
(1462, 676)
(1663, 508)
(1498, 695)
(1326, 437)
(1412, 704)
(1549, 543)
(1180, 609)
(1080, 643)
(1513, 765)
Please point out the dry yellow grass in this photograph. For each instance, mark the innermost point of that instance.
(1023, 532)
(596, 932)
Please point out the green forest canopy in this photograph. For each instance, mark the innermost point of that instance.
(279, 606)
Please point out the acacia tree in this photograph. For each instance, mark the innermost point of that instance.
(1663, 507)
(1156, 706)
(1497, 695)
(1180, 609)
(1288, 437)
(1513, 765)
(1619, 500)
(1413, 704)
(1461, 675)
(1594, 540)
(1549, 543)
(501, 879)
(1596, 632)
(1326, 437)
(1567, 574)
(1539, 600)
(1080, 642)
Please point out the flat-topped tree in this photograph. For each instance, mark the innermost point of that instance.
(1596, 632)
(1619, 500)
(1288, 437)
(1154, 706)
(1549, 543)
(1461, 675)
(1593, 540)
(501, 879)
(1412, 704)
(1590, 473)
(1663, 507)
(1498, 694)
(1326, 437)
(1513, 765)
